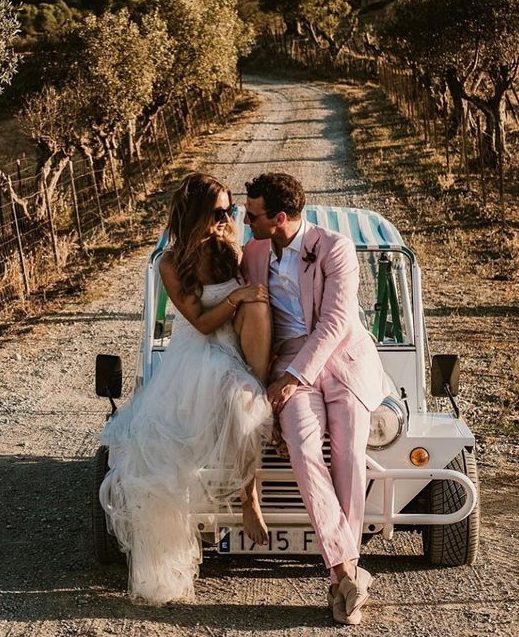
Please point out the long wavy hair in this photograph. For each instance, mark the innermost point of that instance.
(191, 215)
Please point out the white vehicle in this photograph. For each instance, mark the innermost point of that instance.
(421, 464)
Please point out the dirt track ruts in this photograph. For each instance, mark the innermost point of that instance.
(49, 417)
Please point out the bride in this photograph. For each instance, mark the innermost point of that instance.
(191, 439)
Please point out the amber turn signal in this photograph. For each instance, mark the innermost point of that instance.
(419, 456)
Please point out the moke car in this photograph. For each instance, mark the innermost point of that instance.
(421, 464)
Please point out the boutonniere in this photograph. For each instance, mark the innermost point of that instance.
(310, 255)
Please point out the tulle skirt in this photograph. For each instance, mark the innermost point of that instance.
(186, 443)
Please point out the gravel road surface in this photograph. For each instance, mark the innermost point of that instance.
(49, 418)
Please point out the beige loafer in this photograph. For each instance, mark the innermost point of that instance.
(350, 597)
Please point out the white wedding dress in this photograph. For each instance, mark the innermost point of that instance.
(187, 442)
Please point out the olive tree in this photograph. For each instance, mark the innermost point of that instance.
(329, 23)
(115, 69)
(205, 38)
(470, 47)
(8, 29)
(47, 117)
(199, 49)
(100, 77)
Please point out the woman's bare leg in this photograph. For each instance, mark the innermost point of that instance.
(254, 329)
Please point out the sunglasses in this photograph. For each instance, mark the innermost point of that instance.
(221, 214)
(252, 218)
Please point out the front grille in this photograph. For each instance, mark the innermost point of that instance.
(271, 460)
(281, 493)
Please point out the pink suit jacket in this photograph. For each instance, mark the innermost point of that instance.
(337, 337)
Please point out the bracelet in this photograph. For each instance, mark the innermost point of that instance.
(234, 305)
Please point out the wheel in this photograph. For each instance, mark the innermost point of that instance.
(105, 545)
(453, 544)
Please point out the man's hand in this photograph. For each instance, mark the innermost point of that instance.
(281, 390)
(278, 442)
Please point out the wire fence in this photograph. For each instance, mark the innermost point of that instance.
(463, 149)
(42, 223)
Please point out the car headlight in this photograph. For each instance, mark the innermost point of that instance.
(386, 423)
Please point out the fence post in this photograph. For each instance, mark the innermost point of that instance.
(19, 240)
(176, 113)
(432, 110)
(481, 161)
(2, 218)
(501, 181)
(424, 117)
(51, 223)
(96, 192)
(446, 131)
(127, 179)
(159, 152)
(76, 207)
(141, 172)
(166, 132)
(19, 173)
(114, 180)
(464, 146)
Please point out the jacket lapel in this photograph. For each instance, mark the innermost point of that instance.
(310, 245)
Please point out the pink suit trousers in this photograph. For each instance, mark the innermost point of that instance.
(334, 499)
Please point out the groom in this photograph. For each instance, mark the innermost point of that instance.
(326, 374)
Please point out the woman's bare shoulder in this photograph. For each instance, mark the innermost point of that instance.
(166, 266)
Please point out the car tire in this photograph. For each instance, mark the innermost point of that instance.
(453, 544)
(106, 547)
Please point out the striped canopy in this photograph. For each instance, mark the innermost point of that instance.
(367, 229)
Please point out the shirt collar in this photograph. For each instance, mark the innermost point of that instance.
(296, 242)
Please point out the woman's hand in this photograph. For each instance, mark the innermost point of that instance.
(249, 294)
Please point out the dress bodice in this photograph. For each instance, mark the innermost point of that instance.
(215, 293)
(212, 294)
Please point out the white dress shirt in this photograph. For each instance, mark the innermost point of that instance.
(285, 294)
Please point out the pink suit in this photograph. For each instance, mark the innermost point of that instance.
(341, 361)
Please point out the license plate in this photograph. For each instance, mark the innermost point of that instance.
(289, 540)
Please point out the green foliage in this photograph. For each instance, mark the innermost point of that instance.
(42, 117)
(46, 17)
(204, 40)
(124, 66)
(102, 78)
(330, 21)
(8, 30)
(438, 34)
(113, 70)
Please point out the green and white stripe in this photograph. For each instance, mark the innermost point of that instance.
(367, 229)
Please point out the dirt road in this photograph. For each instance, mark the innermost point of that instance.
(49, 418)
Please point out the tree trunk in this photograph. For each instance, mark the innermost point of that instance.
(455, 87)
(49, 171)
(489, 147)
(494, 137)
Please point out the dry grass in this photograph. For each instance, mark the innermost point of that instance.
(468, 253)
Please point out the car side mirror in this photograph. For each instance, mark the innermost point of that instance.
(109, 376)
(445, 375)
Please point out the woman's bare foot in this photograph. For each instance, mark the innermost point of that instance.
(253, 521)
